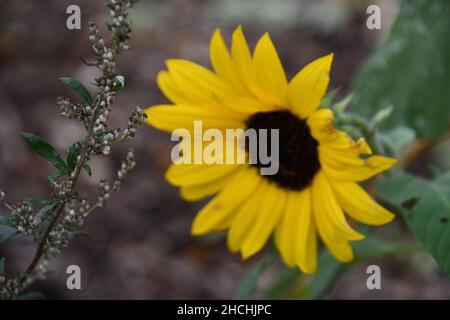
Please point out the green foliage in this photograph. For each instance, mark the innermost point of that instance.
(72, 157)
(88, 169)
(410, 70)
(37, 202)
(79, 88)
(250, 281)
(397, 139)
(45, 150)
(329, 269)
(342, 105)
(425, 205)
(46, 210)
(80, 233)
(2, 265)
(327, 100)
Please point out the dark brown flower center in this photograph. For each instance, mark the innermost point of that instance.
(298, 154)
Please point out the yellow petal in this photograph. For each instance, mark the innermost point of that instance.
(223, 64)
(197, 192)
(170, 89)
(339, 159)
(245, 217)
(295, 235)
(287, 229)
(223, 206)
(197, 174)
(359, 205)
(202, 85)
(321, 125)
(272, 205)
(307, 252)
(338, 246)
(246, 105)
(172, 117)
(346, 172)
(308, 87)
(340, 250)
(344, 143)
(270, 72)
(326, 207)
(242, 59)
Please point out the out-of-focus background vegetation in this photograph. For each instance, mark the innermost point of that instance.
(140, 245)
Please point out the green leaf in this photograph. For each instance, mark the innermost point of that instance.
(80, 233)
(397, 138)
(45, 150)
(282, 284)
(110, 6)
(2, 265)
(72, 157)
(37, 202)
(329, 269)
(33, 295)
(251, 279)
(46, 210)
(79, 88)
(425, 205)
(342, 105)
(88, 169)
(4, 237)
(56, 175)
(327, 100)
(410, 70)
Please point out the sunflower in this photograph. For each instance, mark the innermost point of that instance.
(315, 188)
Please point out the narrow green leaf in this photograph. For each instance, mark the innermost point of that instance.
(88, 169)
(328, 98)
(56, 175)
(342, 105)
(2, 265)
(72, 157)
(80, 233)
(79, 88)
(4, 237)
(282, 284)
(110, 6)
(329, 269)
(45, 150)
(37, 202)
(46, 210)
(250, 281)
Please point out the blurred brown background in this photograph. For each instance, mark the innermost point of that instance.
(140, 246)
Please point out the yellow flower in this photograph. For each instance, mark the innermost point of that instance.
(319, 166)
